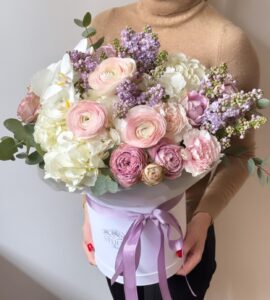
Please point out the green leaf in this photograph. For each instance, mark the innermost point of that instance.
(7, 148)
(39, 150)
(34, 158)
(89, 32)
(251, 166)
(78, 22)
(261, 176)
(257, 160)
(98, 43)
(104, 184)
(263, 103)
(21, 155)
(16, 127)
(87, 19)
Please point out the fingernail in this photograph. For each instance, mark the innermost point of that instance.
(179, 253)
(90, 247)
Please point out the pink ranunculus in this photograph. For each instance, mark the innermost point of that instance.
(86, 119)
(177, 121)
(195, 105)
(108, 50)
(110, 73)
(29, 107)
(127, 164)
(201, 152)
(168, 155)
(143, 127)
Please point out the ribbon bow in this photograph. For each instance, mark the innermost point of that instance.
(128, 256)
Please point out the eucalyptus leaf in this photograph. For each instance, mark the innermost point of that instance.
(251, 166)
(16, 127)
(257, 160)
(78, 22)
(263, 103)
(34, 158)
(87, 19)
(21, 155)
(89, 32)
(104, 184)
(8, 148)
(99, 43)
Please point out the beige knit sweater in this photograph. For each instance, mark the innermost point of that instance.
(195, 28)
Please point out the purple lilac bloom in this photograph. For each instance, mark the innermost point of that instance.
(143, 47)
(129, 95)
(84, 64)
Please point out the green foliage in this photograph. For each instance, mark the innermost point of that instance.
(23, 134)
(98, 44)
(262, 103)
(24, 140)
(90, 31)
(104, 184)
(8, 148)
(87, 19)
(262, 173)
(78, 23)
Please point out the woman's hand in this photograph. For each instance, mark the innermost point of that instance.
(195, 241)
(87, 238)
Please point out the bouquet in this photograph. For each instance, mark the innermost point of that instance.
(125, 115)
(108, 117)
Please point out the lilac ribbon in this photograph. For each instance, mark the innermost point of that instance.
(128, 256)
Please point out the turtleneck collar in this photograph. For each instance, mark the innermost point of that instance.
(168, 11)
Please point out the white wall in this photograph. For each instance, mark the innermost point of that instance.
(40, 230)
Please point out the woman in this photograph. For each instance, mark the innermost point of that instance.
(198, 30)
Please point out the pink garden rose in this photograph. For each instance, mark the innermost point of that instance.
(202, 150)
(168, 155)
(87, 118)
(127, 164)
(195, 105)
(143, 127)
(177, 121)
(110, 73)
(28, 109)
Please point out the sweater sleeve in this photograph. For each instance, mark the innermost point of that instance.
(237, 51)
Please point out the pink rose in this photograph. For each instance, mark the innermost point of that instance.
(202, 150)
(143, 127)
(195, 105)
(87, 118)
(127, 164)
(108, 50)
(110, 73)
(168, 155)
(177, 121)
(28, 109)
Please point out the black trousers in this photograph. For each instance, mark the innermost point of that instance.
(199, 278)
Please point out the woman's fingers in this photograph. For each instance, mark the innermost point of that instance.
(90, 254)
(193, 257)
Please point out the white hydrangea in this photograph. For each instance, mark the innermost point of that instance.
(76, 162)
(182, 74)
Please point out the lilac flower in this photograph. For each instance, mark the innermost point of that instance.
(143, 47)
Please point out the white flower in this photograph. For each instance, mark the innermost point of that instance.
(181, 75)
(54, 80)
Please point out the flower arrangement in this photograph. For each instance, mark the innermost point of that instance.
(110, 116)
